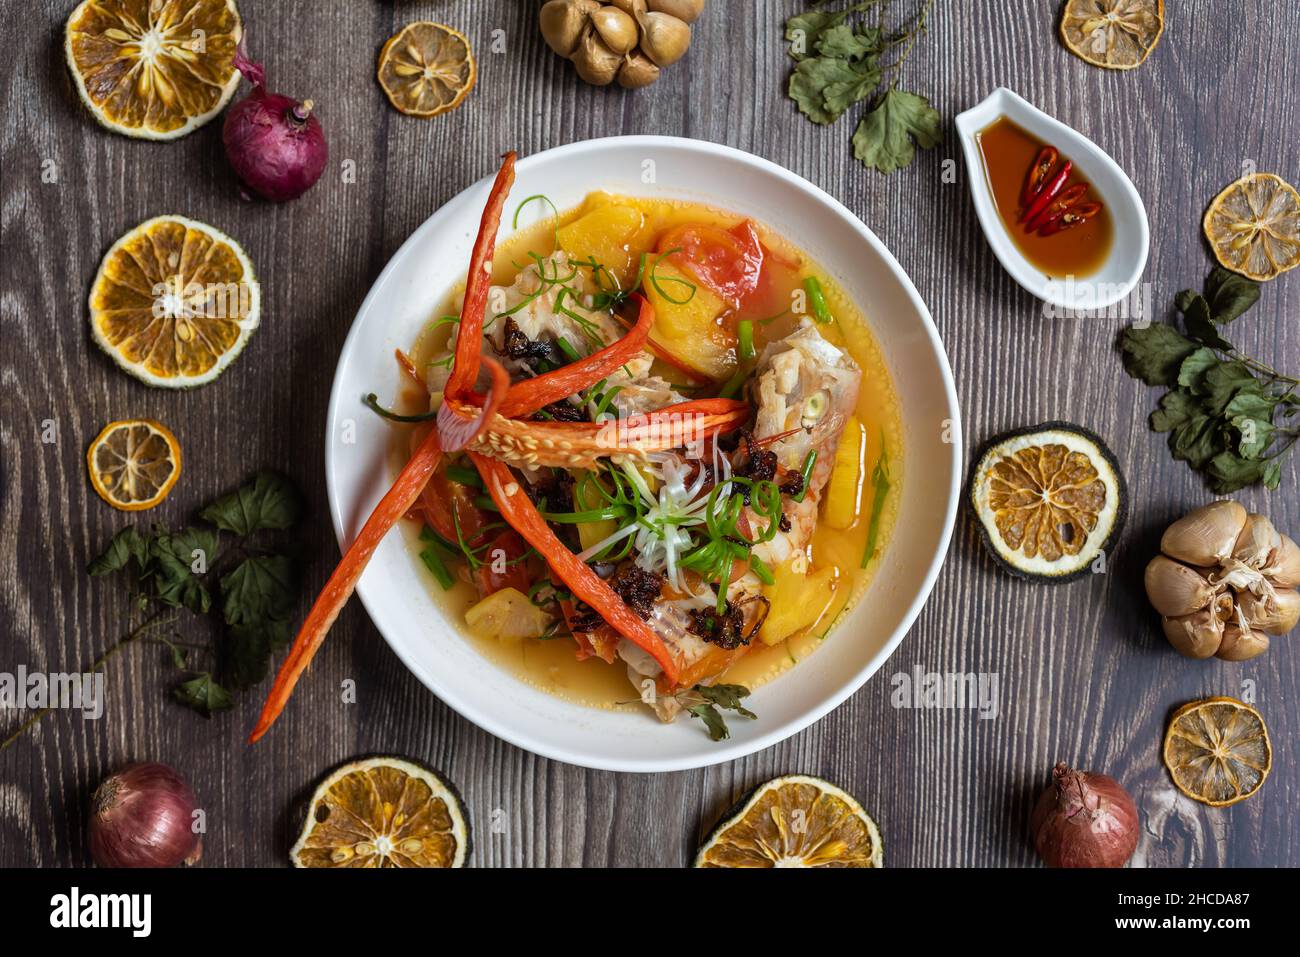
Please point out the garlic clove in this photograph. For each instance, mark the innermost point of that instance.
(1284, 567)
(1275, 614)
(596, 63)
(1241, 645)
(562, 23)
(688, 11)
(1197, 635)
(1205, 536)
(634, 8)
(1257, 543)
(616, 28)
(664, 38)
(638, 70)
(1176, 590)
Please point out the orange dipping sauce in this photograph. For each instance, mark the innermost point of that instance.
(1008, 151)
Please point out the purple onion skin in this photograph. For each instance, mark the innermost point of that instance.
(275, 145)
(143, 816)
(1084, 819)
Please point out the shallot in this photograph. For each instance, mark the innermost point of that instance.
(1084, 819)
(143, 816)
(274, 143)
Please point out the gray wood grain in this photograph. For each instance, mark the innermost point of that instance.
(1085, 675)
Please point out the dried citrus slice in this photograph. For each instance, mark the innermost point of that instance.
(427, 68)
(1254, 226)
(134, 463)
(154, 69)
(1116, 34)
(384, 812)
(1217, 751)
(794, 821)
(1049, 499)
(174, 302)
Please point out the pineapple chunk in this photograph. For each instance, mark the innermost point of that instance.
(689, 331)
(507, 615)
(613, 235)
(844, 490)
(590, 533)
(798, 600)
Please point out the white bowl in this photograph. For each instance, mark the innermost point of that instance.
(1128, 254)
(396, 588)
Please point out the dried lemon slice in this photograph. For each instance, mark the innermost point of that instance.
(794, 821)
(134, 463)
(154, 69)
(1254, 226)
(1217, 751)
(426, 69)
(383, 812)
(174, 302)
(1116, 34)
(1049, 499)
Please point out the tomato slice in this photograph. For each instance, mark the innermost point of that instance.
(515, 573)
(445, 504)
(729, 262)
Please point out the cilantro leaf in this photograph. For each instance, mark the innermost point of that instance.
(1229, 294)
(267, 500)
(824, 87)
(203, 694)
(884, 139)
(264, 586)
(709, 699)
(847, 43)
(1195, 366)
(1154, 353)
(178, 559)
(257, 598)
(1199, 324)
(126, 545)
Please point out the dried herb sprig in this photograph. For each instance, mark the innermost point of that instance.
(1229, 416)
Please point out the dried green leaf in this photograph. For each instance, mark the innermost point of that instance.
(1154, 353)
(885, 138)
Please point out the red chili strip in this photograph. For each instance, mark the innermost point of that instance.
(1053, 210)
(1048, 192)
(1038, 174)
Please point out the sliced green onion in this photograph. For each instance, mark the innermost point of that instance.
(879, 482)
(554, 212)
(817, 300)
(734, 384)
(464, 476)
(657, 283)
(588, 515)
(759, 568)
(485, 503)
(745, 332)
(435, 565)
(372, 400)
(806, 472)
(564, 346)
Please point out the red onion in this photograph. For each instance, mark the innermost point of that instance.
(274, 143)
(1084, 820)
(143, 816)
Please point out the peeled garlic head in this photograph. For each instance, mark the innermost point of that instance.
(1176, 590)
(1206, 536)
(1197, 635)
(616, 28)
(562, 23)
(664, 38)
(688, 11)
(634, 7)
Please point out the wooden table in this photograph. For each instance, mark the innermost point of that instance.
(1085, 674)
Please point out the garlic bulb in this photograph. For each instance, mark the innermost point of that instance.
(627, 40)
(1225, 581)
